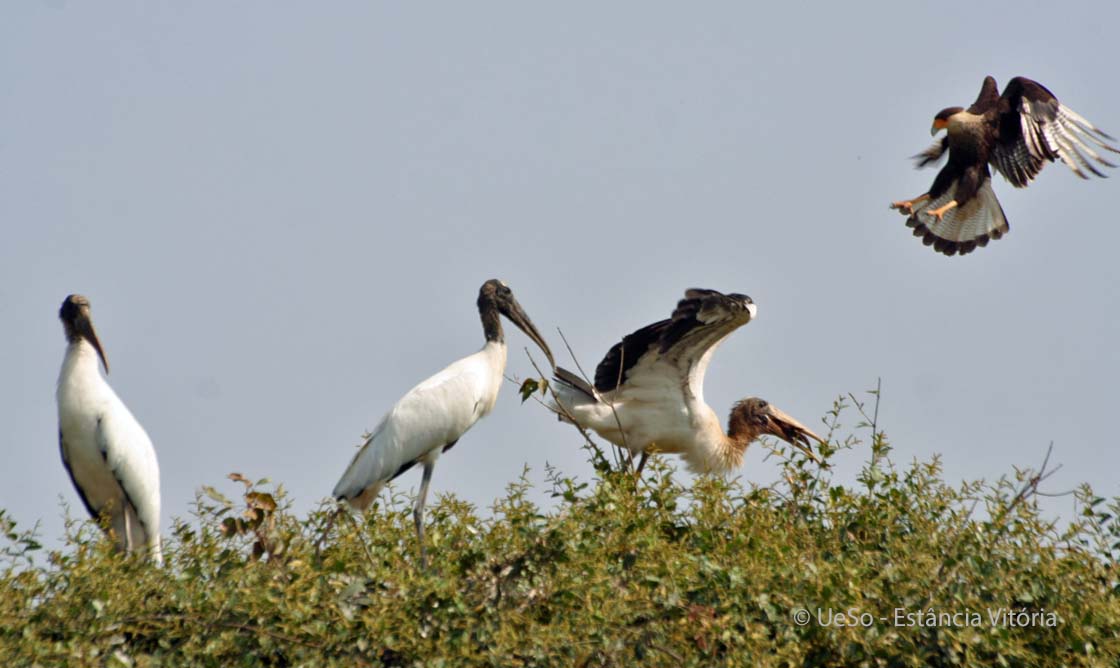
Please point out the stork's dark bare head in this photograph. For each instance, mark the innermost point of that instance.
(78, 325)
(495, 297)
(941, 120)
(754, 417)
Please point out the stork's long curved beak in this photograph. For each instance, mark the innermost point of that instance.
(84, 327)
(780, 424)
(517, 316)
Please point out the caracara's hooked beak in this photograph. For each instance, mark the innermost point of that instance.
(517, 316)
(780, 424)
(939, 124)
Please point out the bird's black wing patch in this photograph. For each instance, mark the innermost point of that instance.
(987, 99)
(103, 445)
(562, 375)
(699, 310)
(623, 355)
(1034, 128)
(407, 465)
(66, 462)
(1024, 106)
(404, 467)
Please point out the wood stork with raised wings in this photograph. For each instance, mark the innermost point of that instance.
(107, 453)
(649, 390)
(431, 417)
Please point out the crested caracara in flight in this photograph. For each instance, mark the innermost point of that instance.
(1017, 133)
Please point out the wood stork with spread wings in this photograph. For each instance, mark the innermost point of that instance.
(107, 453)
(434, 415)
(649, 390)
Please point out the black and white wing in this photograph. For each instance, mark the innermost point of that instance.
(675, 350)
(1034, 128)
(131, 459)
(73, 479)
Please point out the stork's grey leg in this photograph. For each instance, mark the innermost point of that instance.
(641, 464)
(327, 528)
(114, 524)
(418, 512)
(128, 547)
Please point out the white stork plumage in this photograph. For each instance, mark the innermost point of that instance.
(649, 390)
(431, 417)
(107, 453)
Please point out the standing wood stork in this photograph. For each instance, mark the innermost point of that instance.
(431, 417)
(649, 390)
(107, 453)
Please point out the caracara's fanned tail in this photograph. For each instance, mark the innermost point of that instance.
(961, 229)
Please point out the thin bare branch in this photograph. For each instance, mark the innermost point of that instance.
(998, 525)
(625, 446)
(560, 409)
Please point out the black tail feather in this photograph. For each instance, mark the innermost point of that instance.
(568, 378)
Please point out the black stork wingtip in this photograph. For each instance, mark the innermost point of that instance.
(568, 378)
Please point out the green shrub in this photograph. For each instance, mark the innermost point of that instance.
(617, 573)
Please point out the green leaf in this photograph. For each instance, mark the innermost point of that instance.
(528, 387)
(216, 495)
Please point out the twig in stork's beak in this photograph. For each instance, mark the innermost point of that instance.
(517, 316)
(781, 424)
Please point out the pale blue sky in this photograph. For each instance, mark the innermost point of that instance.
(282, 213)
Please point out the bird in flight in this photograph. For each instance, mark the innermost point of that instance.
(648, 394)
(1017, 132)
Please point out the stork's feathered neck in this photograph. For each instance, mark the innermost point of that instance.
(81, 358)
(741, 432)
(491, 322)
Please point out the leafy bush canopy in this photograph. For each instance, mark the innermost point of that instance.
(618, 573)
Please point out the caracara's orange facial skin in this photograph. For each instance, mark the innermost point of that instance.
(940, 124)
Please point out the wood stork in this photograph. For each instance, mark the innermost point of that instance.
(431, 417)
(649, 390)
(107, 453)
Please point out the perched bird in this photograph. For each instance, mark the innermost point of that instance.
(107, 453)
(1017, 133)
(431, 417)
(649, 390)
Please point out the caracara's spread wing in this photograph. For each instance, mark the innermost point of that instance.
(701, 320)
(1034, 128)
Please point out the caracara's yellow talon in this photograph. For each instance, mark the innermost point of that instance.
(939, 213)
(906, 206)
